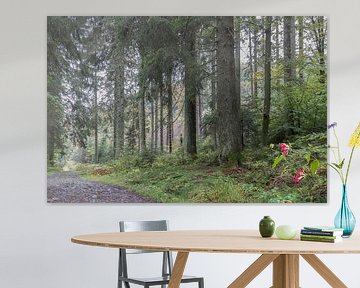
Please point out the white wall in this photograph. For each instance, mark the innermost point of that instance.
(35, 248)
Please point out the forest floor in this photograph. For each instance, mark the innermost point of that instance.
(178, 178)
(68, 187)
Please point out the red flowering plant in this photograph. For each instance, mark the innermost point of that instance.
(297, 169)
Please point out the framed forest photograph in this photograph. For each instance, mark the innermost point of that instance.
(187, 109)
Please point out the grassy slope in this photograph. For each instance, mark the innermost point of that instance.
(174, 178)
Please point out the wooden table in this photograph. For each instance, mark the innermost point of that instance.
(284, 254)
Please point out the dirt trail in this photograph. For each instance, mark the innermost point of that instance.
(68, 187)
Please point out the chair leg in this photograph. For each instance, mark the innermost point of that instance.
(201, 283)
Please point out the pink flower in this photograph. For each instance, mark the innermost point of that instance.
(300, 174)
(284, 149)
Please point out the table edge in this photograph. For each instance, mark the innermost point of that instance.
(203, 250)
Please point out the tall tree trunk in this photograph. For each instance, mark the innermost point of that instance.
(277, 46)
(255, 38)
(238, 72)
(142, 124)
(152, 124)
(267, 86)
(251, 70)
(161, 95)
(169, 111)
(119, 101)
(319, 27)
(132, 129)
(156, 126)
(199, 115)
(213, 129)
(96, 119)
(301, 47)
(190, 95)
(227, 100)
(289, 49)
(289, 69)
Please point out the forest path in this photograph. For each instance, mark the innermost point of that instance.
(68, 187)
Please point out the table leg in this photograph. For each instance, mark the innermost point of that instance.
(324, 271)
(286, 271)
(253, 270)
(178, 270)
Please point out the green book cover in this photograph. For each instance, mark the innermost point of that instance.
(319, 236)
(323, 228)
(325, 240)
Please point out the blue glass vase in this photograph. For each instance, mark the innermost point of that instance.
(345, 219)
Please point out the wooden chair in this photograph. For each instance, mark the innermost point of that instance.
(167, 262)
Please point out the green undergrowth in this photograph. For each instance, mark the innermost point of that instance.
(176, 178)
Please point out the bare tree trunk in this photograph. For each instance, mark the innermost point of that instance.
(199, 115)
(161, 116)
(277, 46)
(152, 124)
(169, 111)
(289, 69)
(142, 142)
(213, 101)
(156, 126)
(96, 119)
(119, 102)
(251, 70)
(319, 31)
(227, 100)
(238, 72)
(267, 86)
(301, 47)
(190, 96)
(255, 38)
(289, 49)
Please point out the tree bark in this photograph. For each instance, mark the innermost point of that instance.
(238, 72)
(213, 98)
(277, 46)
(255, 60)
(251, 70)
(199, 114)
(152, 124)
(267, 84)
(289, 49)
(119, 101)
(156, 124)
(320, 33)
(161, 96)
(227, 100)
(190, 95)
(169, 111)
(142, 124)
(96, 119)
(301, 47)
(289, 70)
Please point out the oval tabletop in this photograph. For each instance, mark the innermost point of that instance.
(222, 241)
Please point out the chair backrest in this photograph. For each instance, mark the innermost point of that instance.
(134, 226)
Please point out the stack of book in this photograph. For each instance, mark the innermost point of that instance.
(321, 234)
